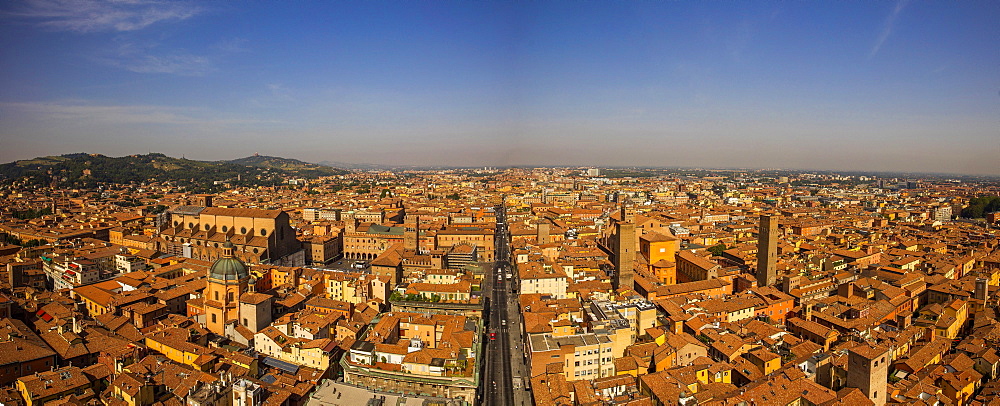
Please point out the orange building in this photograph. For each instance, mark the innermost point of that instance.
(227, 280)
(659, 250)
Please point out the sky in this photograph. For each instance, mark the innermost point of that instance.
(846, 85)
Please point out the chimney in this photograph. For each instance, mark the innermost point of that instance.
(981, 289)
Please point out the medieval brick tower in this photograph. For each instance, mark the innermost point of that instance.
(625, 246)
(767, 251)
(868, 370)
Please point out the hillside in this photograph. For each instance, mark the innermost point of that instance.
(88, 170)
(289, 165)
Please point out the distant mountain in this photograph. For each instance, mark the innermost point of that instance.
(363, 167)
(88, 170)
(383, 167)
(289, 165)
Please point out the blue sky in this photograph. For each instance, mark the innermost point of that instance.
(907, 86)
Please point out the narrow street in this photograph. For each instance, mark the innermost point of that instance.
(504, 378)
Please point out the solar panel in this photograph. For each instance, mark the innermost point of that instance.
(282, 365)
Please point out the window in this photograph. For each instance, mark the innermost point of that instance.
(224, 228)
(213, 318)
(263, 232)
(245, 323)
(217, 295)
(207, 227)
(243, 230)
(229, 296)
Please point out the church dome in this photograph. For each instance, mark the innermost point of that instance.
(228, 268)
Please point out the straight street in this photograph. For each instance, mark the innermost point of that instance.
(503, 378)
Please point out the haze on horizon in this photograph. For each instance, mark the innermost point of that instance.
(880, 86)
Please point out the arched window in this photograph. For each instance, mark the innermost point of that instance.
(229, 296)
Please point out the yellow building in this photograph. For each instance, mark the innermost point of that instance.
(311, 353)
(43, 387)
(181, 352)
(132, 389)
(766, 360)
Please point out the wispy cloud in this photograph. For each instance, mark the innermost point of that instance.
(887, 27)
(280, 92)
(148, 57)
(232, 45)
(101, 15)
(85, 112)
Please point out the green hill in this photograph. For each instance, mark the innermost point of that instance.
(88, 170)
(289, 165)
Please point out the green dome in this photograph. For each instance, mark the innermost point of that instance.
(228, 268)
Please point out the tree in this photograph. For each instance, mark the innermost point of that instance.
(979, 206)
(718, 249)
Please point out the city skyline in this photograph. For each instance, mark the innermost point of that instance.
(894, 86)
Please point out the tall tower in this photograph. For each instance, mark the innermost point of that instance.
(868, 370)
(350, 223)
(767, 251)
(981, 289)
(542, 232)
(625, 249)
(410, 238)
